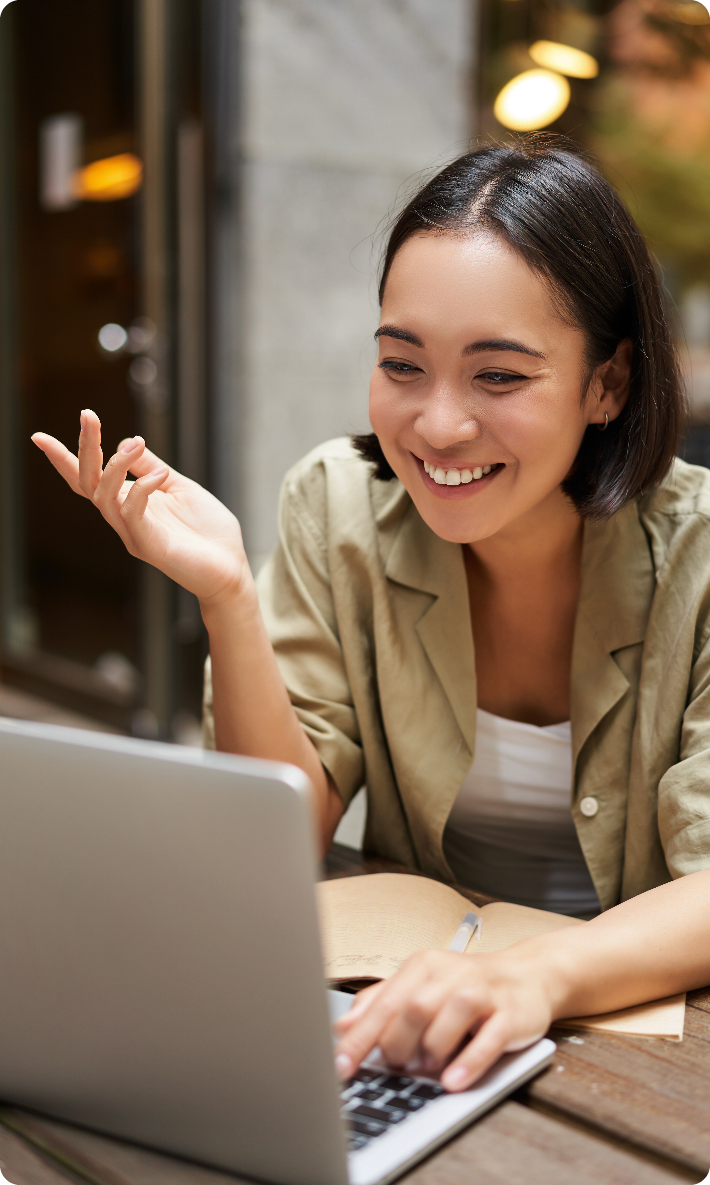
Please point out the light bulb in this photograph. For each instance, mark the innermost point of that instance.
(112, 337)
(109, 179)
(532, 100)
(564, 59)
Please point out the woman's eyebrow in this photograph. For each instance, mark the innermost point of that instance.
(475, 347)
(402, 334)
(501, 344)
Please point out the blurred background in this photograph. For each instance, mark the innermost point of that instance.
(192, 200)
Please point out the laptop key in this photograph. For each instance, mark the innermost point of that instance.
(355, 1142)
(394, 1115)
(394, 1082)
(369, 1094)
(379, 1114)
(428, 1090)
(407, 1102)
(366, 1127)
(364, 1075)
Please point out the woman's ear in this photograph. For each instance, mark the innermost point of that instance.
(610, 384)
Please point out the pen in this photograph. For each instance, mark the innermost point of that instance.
(470, 925)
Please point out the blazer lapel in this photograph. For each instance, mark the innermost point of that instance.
(421, 561)
(615, 599)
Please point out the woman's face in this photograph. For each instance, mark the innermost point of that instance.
(476, 394)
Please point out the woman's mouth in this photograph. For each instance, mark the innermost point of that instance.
(458, 477)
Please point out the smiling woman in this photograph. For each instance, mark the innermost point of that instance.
(559, 217)
(494, 610)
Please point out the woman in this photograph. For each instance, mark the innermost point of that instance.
(511, 555)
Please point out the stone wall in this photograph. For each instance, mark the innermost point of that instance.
(341, 103)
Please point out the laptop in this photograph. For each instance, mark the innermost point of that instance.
(161, 973)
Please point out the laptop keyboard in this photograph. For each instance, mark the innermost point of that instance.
(374, 1100)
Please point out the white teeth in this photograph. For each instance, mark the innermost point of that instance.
(455, 477)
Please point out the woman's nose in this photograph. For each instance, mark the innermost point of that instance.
(445, 420)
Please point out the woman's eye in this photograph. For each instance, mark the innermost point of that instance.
(499, 378)
(399, 368)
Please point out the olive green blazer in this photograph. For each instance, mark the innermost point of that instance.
(369, 616)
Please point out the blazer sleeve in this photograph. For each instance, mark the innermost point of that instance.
(297, 603)
(684, 790)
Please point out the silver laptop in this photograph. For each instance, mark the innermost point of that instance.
(160, 967)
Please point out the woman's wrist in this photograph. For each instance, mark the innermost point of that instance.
(236, 603)
(556, 963)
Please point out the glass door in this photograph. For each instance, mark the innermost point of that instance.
(101, 306)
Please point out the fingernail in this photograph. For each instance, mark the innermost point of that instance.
(160, 469)
(82, 420)
(343, 1067)
(132, 445)
(455, 1077)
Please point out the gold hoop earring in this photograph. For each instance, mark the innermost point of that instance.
(603, 427)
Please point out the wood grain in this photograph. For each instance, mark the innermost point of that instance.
(511, 1144)
(101, 1160)
(653, 1093)
(699, 999)
(22, 1166)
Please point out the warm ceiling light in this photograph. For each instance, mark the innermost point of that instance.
(564, 59)
(109, 179)
(532, 100)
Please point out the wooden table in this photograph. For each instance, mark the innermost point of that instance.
(611, 1110)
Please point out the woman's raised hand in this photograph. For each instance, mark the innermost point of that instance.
(163, 518)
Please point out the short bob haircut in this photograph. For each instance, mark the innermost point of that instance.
(565, 220)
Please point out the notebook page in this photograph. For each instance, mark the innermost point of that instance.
(370, 925)
(660, 1018)
(504, 924)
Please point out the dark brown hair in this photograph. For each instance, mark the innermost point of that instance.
(564, 219)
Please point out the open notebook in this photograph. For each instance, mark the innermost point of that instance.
(372, 924)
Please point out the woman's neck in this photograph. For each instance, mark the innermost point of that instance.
(546, 541)
(523, 589)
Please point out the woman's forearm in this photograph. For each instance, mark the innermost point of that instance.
(253, 715)
(651, 946)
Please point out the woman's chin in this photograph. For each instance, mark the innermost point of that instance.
(457, 524)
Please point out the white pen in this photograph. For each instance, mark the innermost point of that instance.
(470, 925)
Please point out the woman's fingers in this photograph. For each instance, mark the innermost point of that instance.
(141, 463)
(364, 1035)
(491, 1040)
(462, 1012)
(360, 1005)
(64, 462)
(134, 520)
(114, 477)
(403, 1038)
(435, 1003)
(91, 458)
(394, 1019)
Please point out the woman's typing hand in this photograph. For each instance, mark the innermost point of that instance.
(442, 1006)
(162, 518)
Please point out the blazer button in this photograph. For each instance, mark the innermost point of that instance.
(589, 807)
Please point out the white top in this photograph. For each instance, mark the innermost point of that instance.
(510, 832)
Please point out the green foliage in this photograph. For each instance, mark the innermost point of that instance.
(667, 188)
